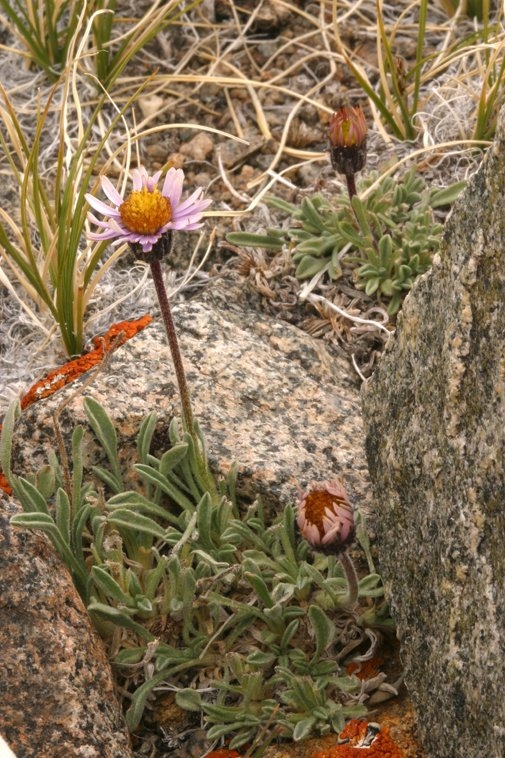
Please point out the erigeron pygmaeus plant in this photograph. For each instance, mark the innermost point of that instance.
(326, 520)
(145, 219)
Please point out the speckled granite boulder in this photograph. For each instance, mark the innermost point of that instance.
(266, 394)
(435, 419)
(57, 697)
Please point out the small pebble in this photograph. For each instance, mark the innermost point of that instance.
(199, 148)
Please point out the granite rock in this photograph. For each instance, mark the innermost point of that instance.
(266, 395)
(58, 698)
(434, 415)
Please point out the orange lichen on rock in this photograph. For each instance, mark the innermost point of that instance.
(365, 669)
(358, 740)
(4, 484)
(119, 333)
(223, 753)
(55, 380)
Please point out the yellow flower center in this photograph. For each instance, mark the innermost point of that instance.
(348, 136)
(145, 212)
(316, 504)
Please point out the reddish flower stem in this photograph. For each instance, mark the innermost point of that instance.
(352, 578)
(351, 189)
(173, 343)
(351, 185)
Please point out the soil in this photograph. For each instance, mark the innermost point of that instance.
(277, 79)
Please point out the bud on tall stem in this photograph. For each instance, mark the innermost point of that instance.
(347, 135)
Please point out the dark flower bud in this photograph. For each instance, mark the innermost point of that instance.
(347, 133)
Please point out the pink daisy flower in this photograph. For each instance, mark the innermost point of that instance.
(325, 517)
(146, 213)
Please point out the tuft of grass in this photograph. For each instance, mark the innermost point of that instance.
(42, 250)
(47, 31)
(398, 100)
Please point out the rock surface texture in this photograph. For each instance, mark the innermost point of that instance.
(266, 395)
(57, 693)
(435, 418)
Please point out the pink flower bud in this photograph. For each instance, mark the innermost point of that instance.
(325, 517)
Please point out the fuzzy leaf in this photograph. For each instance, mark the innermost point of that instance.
(139, 698)
(31, 499)
(289, 633)
(135, 522)
(350, 234)
(77, 466)
(204, 512)
(260, 659)
(138, 502)
(107, 584)
(108, 478)
(221, 729)
(6, 433)
(33, 520)
(105, 432)
(171, 458)
(446, 195)
(303, 728)
(282, 591)
(310, 213)
(120, 618)
(145, 436)
(387, 287)
(372, 285)
(144, 604)
(371, 586)
(149, 474)
(247, 239)
(189, 699)
(129, 656)
(63, 514)
(324, 630)
(309, 266)
(317, 246)
(260, 588)
(46, 481)
(386, 250)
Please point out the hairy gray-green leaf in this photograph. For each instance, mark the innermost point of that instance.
(105, 431)
(324, 629)
(145, 436)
